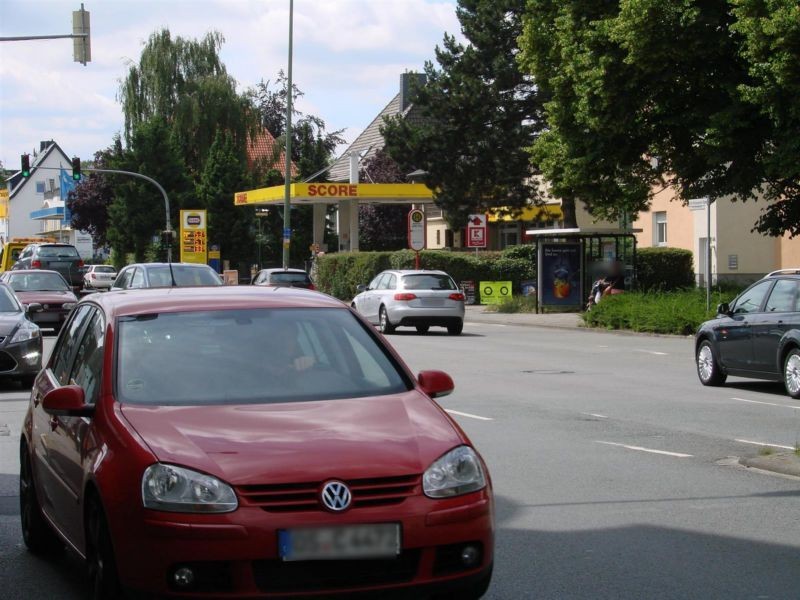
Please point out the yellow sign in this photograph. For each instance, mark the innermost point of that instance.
(4, 203)
(545, 212)
(193, 240)
(494, 292)
(327, 193)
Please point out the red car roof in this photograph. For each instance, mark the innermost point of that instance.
(177, 299)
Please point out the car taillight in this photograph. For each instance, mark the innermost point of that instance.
(80, 263)
(459, 297)
(36, 264)
(405, 297)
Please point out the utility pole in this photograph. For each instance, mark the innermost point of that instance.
(287, 180)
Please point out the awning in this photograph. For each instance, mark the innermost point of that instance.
(55, 212)
(331, 193)
(545, 212)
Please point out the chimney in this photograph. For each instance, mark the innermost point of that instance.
(408, 82)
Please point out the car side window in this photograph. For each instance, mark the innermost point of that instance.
(784, 296)
(392, 283)
(62, 355)
(750, 301)
(137, 281)
(383, 284)
(87, 367)
(123, 279)
(373, 285)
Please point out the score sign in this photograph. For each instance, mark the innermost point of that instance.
(476, 231)
(416, 230)
(194, 244)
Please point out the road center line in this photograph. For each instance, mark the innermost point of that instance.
(651, 450)
(463, 414)
(766, 403)
(763, 444)
(595, 415)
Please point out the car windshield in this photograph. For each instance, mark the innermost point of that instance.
(104, 269)
(185, 276)
(57, 252)
(289, 278)
(8, 304)
(251, 356)
(428, 281)
(37, 282)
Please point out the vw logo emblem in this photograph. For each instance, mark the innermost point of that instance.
(336, 496)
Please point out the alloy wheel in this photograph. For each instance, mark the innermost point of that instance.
(792, 374)
(705, 363)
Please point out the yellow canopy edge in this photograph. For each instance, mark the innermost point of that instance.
(326, 193)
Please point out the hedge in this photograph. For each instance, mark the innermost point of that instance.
(664, 269)
(338, 274)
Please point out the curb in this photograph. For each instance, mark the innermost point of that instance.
(785, 463)
(580, 327)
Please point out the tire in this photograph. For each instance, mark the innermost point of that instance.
(708, 369)
(384, 324)
(103, 577)
(422, 329)
(37, 533)
(791, 373)
(456, 329)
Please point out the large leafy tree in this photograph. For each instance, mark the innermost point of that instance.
(89, 202)
(184, 82)
(479, 115)
(382, 226)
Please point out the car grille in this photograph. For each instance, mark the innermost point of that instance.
(279, 576)
(7, 362)
(291, 497)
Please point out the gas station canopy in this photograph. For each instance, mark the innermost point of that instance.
(332, 193)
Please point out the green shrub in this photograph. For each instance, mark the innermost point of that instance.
(524, 251)
(679, 312)
(338, 274)
(664, 269)
(515, 304)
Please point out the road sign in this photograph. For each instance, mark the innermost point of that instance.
(476, 231)
(416, 229)
(494, 292)
(194, 244)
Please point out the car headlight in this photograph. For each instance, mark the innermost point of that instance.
(68, 305)
(175, 489)
(27, 331)
(457, 472)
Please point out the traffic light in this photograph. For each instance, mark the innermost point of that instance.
(81, 31)
(76, 168)
(26, 165)
(167, 237)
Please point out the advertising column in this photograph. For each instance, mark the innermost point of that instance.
(559, 273)
(194, 244)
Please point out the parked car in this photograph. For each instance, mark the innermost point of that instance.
(211, 442)
(408, 298)
(151, 275)
(63, 258)
(757, 335)
(283, 278)
(20, 339)
(45, 288)
(99, 277)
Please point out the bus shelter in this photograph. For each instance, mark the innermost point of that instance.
(346, 196)
(570, 260)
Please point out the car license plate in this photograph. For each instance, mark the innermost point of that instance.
(341, 542)
(56, 264)
(432, 302)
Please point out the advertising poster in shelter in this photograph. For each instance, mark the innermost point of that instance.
(560, 274)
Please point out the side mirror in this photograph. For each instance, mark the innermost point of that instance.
(361, 288)
(436, 383)
(723, 309)
(67, 401)
(33, 307)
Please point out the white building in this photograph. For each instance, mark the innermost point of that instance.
(35, 204)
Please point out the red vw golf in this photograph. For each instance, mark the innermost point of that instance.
(249, 442)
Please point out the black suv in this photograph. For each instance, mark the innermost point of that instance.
(757, 335)
(63, 258)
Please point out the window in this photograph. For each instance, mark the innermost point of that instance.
(124, 279)
(428, 282)
(88, 364)
(40, 187)
(62, 355)
(785, 296)
(660, 228)
(383, 284)
(438, 237)
(138, 279)
(750, 300)
(373, 285)
(392, 283)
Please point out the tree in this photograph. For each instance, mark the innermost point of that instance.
(137, 212)
(184, 82)
(382, 226)
(479, 113)
(89, 202)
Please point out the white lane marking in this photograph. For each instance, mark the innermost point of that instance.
(766, 403)
(463, 414)
(763, 444)
(652, 352)
(651, 450)
(595, 415)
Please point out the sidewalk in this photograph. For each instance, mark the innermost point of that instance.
(477, 314)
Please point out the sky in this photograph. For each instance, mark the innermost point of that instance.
(348, 57)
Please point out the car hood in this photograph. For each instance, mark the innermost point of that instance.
(46, 297)
(9, 322)
(299, 441)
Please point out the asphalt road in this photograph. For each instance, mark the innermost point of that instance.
(615, 472)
